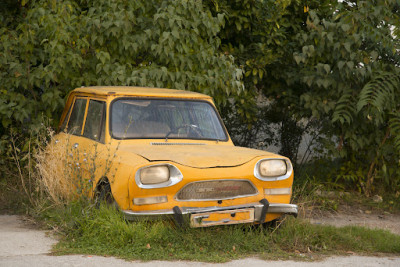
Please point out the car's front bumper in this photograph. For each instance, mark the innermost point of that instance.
(180, 214)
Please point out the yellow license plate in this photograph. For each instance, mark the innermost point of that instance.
(222, 217)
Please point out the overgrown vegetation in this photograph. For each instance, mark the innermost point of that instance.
(278, 70)
(327, 69)
(84, 227)
(105, 232)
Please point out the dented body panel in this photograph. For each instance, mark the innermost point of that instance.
(210, 180)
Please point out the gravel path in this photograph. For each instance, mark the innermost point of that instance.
(21, 245)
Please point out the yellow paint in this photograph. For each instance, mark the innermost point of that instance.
(119, 160)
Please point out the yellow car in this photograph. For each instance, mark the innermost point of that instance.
(161, 152)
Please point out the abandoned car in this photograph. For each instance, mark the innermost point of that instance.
(166, 153)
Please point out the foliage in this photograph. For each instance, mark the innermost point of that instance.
(59, 46)
(21, 189)
(259, 34)
(333, 64)
(357, 86)
(278, 70)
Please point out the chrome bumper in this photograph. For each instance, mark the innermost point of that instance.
(261, 209)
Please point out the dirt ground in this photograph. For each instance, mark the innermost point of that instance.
(381, 220)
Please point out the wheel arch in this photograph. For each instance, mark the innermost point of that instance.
(103, 181)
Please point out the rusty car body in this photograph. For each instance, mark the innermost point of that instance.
(166, 153)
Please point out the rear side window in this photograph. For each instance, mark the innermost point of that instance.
(64, 124)
(95, 120)
(77, 115)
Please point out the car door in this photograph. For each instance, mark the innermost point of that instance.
(83, 136)
(92, 142)
(69, 140)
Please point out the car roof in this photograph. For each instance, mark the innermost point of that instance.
(139, 91)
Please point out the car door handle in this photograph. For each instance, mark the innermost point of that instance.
(75, 145)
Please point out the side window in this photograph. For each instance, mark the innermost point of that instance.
(76, 118)
(95, 121)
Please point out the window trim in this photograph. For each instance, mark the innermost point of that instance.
(84, 116)
(66, 118)
(103, 118)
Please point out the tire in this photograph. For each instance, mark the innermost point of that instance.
(104, 195)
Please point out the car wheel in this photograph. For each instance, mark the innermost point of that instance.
(104, 195)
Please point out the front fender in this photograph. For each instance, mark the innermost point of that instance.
(119, 169)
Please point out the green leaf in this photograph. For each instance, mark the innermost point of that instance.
(347, 46)
(350, 64)
(374, 55)
(341, 64)
(345, 27)
(175, 33)
(238, 25)
(327, 68)
(260, 73)
(297, 58)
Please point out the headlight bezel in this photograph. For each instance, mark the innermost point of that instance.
(289, 170)
(175, 176)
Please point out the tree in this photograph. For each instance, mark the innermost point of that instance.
(333, 65)
(325, 67)
(350, 61)
(61, 45)
(261, 35)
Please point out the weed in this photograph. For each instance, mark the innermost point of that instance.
(40, 172)
(315, 198)
(62, 203)
(104, 231)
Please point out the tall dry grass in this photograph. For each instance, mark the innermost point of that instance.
(47, 169)
(65, 173)
(55, 167)
(39, 172)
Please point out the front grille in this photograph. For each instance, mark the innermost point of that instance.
(216, 190)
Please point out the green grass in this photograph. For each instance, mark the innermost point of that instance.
(105, 232)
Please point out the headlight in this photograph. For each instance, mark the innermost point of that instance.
(159, 175)
(154, 175)
(273, 169)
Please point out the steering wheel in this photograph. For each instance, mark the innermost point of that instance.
(193, 127)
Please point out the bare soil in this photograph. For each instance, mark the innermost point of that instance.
(390, 222)
(355, 213)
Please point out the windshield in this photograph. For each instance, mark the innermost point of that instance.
(168, 119)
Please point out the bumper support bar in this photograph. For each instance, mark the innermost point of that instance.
(264, 209)
(178, 215)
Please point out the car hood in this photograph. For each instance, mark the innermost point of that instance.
(197, 156)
